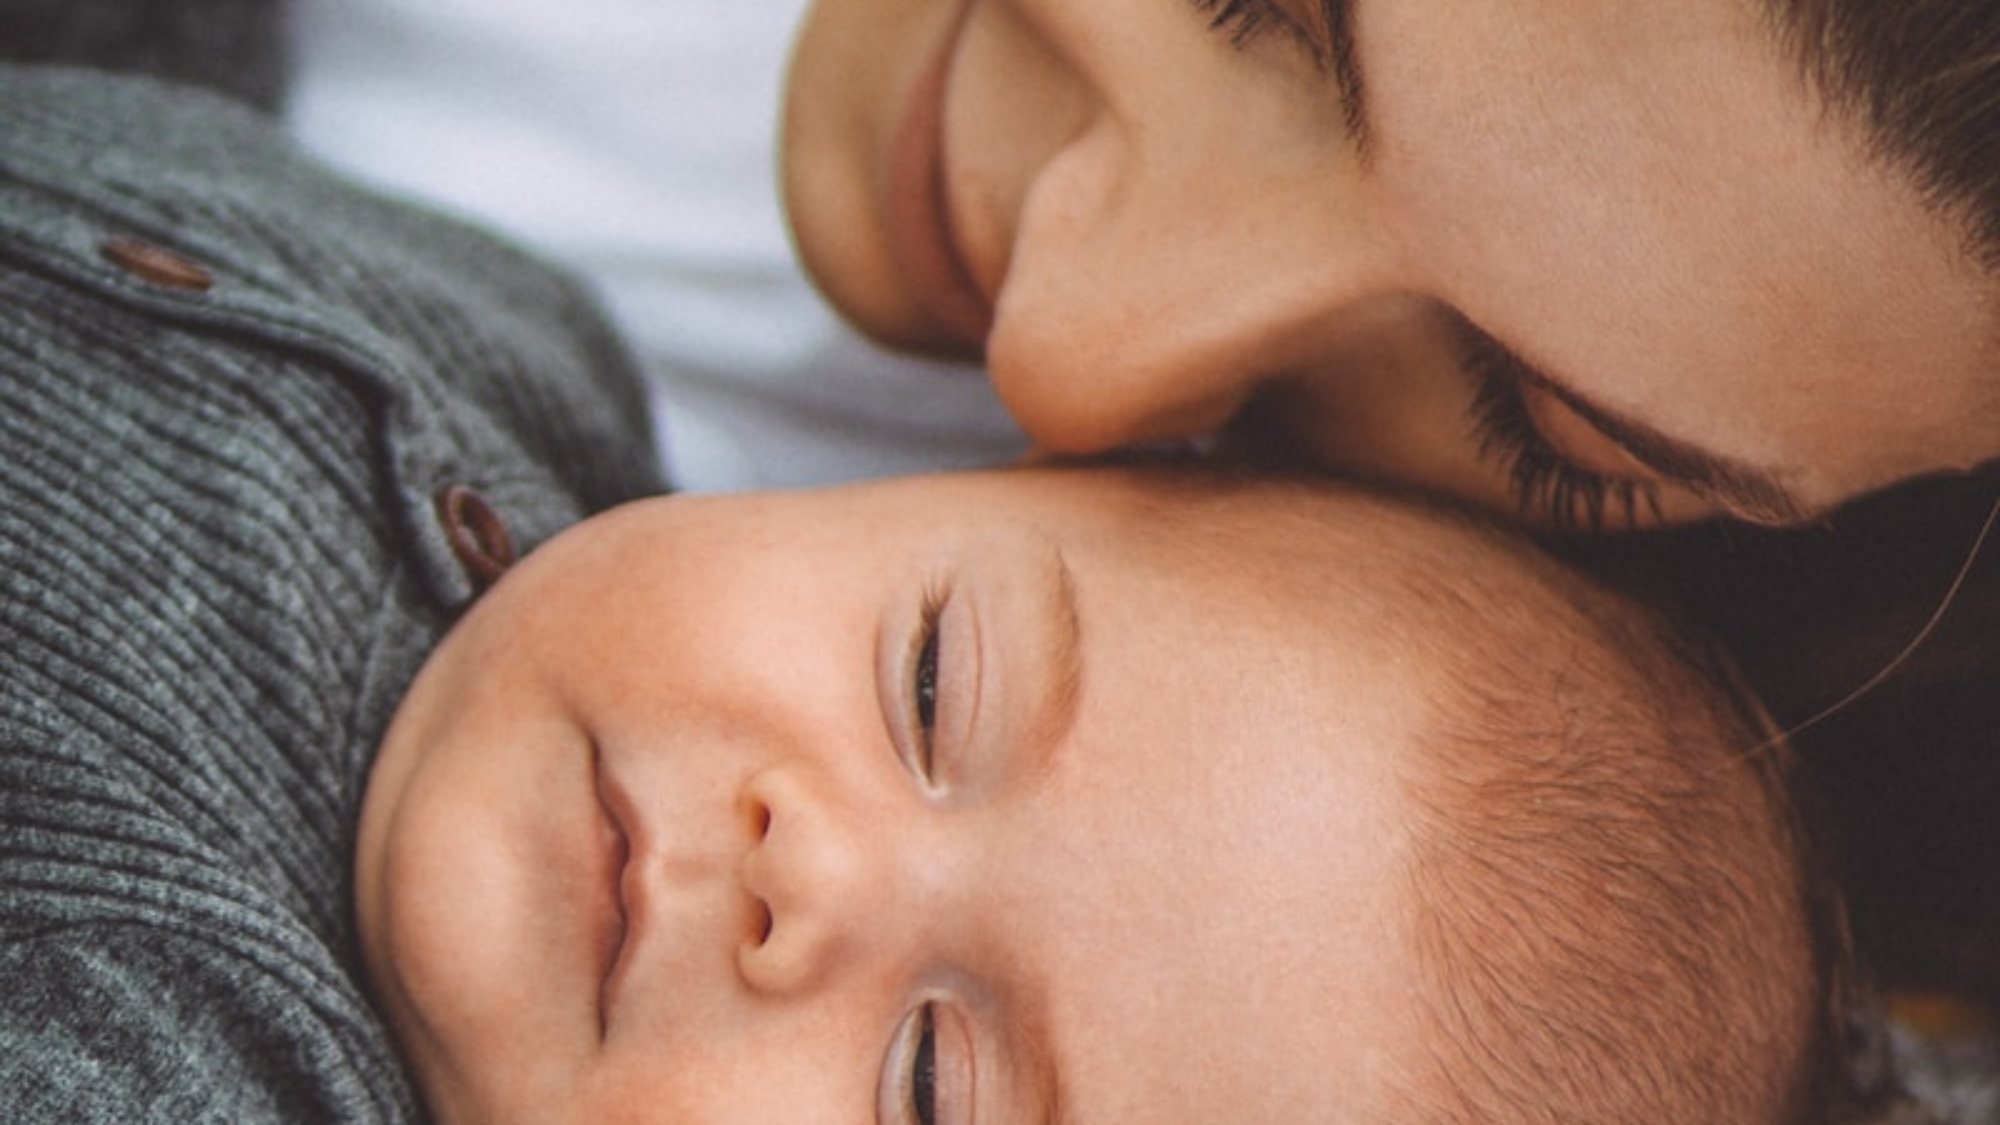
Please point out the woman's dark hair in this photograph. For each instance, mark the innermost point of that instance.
(1922, 80)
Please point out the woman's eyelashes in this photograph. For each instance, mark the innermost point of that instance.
(1545, 484)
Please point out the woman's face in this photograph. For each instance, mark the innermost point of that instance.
(1589, 258)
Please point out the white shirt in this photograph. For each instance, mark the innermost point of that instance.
(635, 141)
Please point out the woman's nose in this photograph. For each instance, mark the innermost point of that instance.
(1189, 236)
(1162, 319)
(839, 885)
(1068, 409)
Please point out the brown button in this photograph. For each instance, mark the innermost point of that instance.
(157, 264)
(478, 539)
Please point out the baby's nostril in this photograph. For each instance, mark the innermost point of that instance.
(763, 922)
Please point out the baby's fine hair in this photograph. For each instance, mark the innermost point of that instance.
(1618, 909)
(1620, 913)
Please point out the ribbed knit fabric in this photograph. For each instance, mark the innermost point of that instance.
(220, 565)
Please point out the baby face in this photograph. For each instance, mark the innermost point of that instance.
(999, 798)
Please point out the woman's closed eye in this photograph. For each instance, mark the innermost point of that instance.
(1545, 482)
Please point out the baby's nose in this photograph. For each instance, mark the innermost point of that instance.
(836, 888)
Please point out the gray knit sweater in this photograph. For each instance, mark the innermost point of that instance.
(231, 390)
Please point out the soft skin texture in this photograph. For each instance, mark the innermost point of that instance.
(1149, 227)
(654, 837)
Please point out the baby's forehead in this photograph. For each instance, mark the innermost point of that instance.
(1426, 597)
(1441, 604)
(1322, 539)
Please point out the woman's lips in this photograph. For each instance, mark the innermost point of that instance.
(917, 209)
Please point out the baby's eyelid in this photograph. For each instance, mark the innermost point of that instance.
(895, 1088)
(954, 1071)
(929, 1075)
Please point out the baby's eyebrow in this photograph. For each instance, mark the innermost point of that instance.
(1063, 676)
